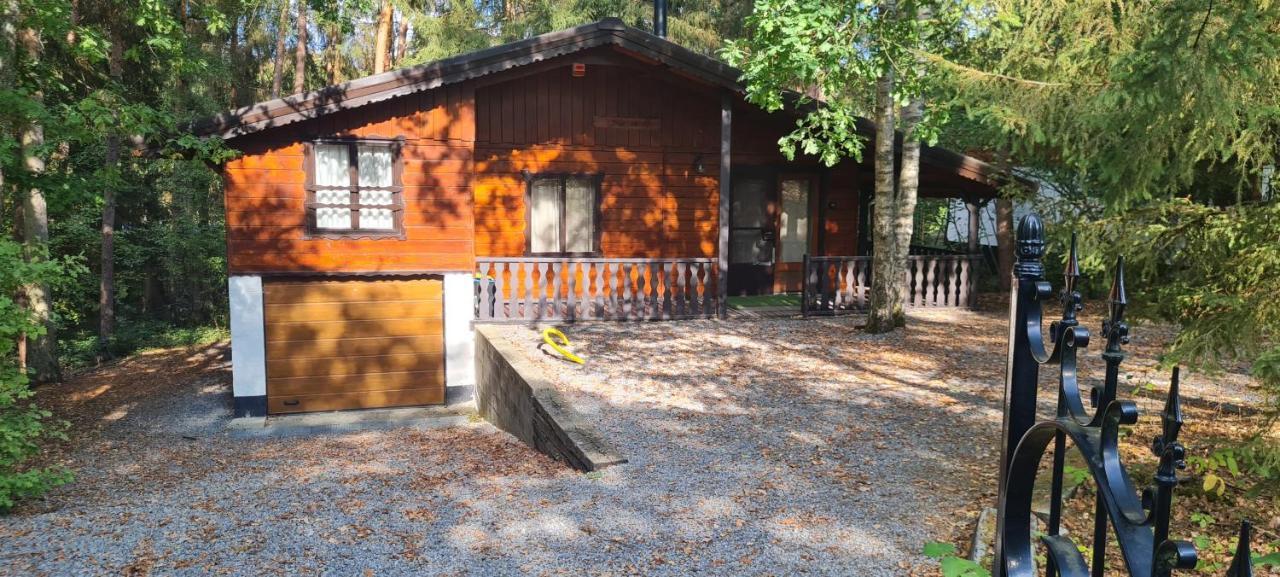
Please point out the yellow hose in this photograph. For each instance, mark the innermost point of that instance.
(560, 347)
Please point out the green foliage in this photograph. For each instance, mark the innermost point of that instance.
(800, 49)
(1142, 99)
(1076, 475)
(23, 425)
(1212, 271)
(81, 349)
(951, 564)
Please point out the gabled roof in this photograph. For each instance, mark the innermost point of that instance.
(379, 87)
(608, 32)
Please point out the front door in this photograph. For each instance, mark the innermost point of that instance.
(795, 231)
(752, 235)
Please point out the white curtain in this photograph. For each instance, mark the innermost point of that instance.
(544, 216)
(333, 218)
(332, 161)
(580, 214)
(795, 220)
(375, 166)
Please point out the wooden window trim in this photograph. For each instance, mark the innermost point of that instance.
(597, 179)
(396, 232)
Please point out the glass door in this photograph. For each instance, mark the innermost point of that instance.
(752, 236)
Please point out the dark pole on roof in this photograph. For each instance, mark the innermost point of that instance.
(660, 18)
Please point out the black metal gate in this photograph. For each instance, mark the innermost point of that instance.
(1138, 520)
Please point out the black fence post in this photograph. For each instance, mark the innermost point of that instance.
(1023, 367)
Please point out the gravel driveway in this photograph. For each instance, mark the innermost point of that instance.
(772, 447)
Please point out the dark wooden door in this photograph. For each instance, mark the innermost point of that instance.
(752, 235)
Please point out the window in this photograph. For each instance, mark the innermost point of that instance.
(353, 188)
(562, 214)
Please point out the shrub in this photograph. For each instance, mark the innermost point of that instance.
(23, 425)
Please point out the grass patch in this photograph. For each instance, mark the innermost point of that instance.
(757, 301)
(80, 349)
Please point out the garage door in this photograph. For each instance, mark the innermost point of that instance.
(353, 344)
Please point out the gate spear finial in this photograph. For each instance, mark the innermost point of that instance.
(1071, 299)
(1114, 327)
(1242, 563)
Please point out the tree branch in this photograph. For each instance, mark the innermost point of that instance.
(1203, 24)
(970, 70)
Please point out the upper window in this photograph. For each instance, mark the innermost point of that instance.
(562, 214)
(353, 188)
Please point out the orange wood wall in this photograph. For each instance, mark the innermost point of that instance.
(653, 201)
(265, 194)
(467, 145)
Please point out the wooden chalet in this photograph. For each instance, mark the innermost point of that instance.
(596, 172)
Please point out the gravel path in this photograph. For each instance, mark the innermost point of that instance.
(772, 447)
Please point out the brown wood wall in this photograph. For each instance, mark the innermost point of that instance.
(265, 194)
(755, 143)
(653, 202)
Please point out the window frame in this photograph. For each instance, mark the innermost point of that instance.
(396, 232)
(595, 178)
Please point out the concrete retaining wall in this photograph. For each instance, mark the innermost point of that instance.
(514, 394)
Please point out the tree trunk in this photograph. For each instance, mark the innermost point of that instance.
(1004, 241)
(300, 51)
(382, 39)
(905, 207)
(107, 265)
(334, 54)
(8, 56)
(880, 318)
(277, 72)
(233, 56)
(402, 39)
(42, 358)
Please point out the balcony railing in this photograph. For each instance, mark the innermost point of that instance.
(842, 284)
(522, 289)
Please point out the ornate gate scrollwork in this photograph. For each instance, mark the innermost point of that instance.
(1138, 520)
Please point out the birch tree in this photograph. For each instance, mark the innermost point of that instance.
(864, 59)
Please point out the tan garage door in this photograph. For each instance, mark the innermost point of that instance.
(353, 344)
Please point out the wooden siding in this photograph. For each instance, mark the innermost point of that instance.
(353, 344)
(265, 195)
(633, 125)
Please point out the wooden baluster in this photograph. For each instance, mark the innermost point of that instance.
(964, 282)
(910, 277)
(710, 286)
(526, 294)
(558, 297)
(864, 282)
(611, 291)
(499, 287)
(637, 293)
(953, 279)
(627, 270)
(597, 291)
(652, 311)
(571, 284)
(679, 306)
(667, 287)
(947, 286)
(540, 289)
(614, 309)
(922, 280)
(481, 290)
(930, 288)
(850, 283)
